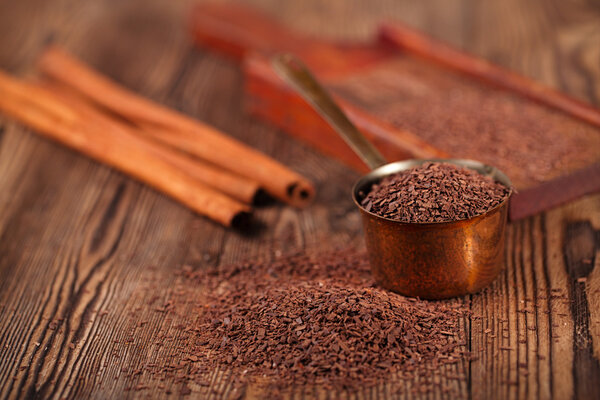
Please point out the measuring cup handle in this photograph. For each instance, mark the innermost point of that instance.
(297, 74)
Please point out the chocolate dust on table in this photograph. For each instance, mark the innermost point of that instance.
(313, 320)
(434, 192)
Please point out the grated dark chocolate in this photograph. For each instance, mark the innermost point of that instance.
(434, 192)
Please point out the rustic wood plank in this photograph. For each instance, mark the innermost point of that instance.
(80, 242)
(545, 362)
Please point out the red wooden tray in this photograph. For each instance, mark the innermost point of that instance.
(418, 98)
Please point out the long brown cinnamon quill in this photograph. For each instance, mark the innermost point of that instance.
(185, 132)
(238, 187)
(48, 115)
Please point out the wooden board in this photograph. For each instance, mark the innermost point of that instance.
(79, 241)
(416, 97)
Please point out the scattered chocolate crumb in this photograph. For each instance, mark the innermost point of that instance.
(305, 319)
(185, 390)
(434, 192)
(321, 321)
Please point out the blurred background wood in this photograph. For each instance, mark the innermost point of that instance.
(78, 240)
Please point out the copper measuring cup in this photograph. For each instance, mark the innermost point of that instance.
(428, 260)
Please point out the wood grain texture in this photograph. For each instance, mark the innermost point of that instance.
(79, 242)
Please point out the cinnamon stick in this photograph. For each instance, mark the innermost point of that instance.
(48, 115)
(238, 187)
(186, 133)
(422, 45)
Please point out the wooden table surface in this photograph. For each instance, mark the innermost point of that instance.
(78, 240)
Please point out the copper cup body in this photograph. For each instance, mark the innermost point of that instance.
(434, 260)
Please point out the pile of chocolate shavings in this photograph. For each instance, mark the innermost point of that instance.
(324, 333)
(434, 192)
(320, 320)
